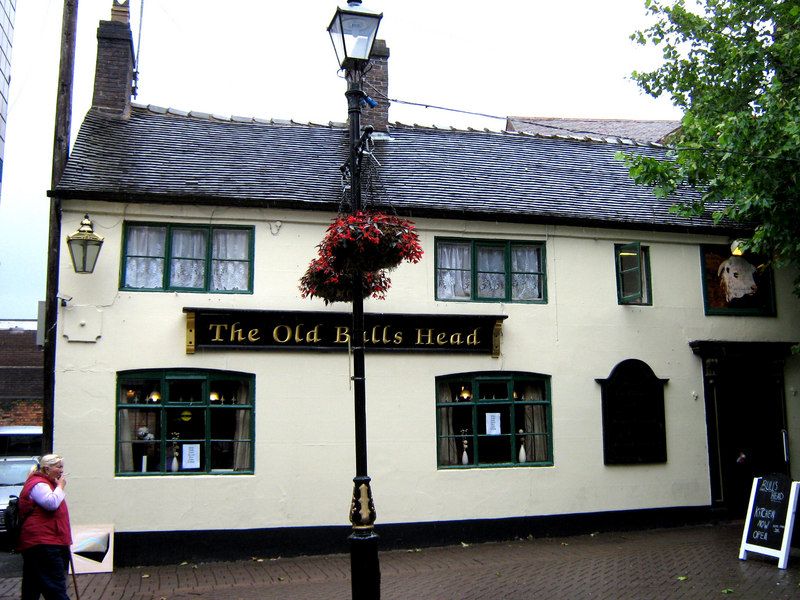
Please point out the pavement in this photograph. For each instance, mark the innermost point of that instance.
(697, 562)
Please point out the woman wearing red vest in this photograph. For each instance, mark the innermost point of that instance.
(46, 535)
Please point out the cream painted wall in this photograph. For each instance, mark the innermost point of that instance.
(304, 460)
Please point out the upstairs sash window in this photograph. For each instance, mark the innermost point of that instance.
(188, 258)
(490, 271)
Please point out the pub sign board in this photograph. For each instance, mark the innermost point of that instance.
(221, 329)
(770, 518)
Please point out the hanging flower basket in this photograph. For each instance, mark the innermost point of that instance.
(365, 244)
(321, 280)
(370, 241)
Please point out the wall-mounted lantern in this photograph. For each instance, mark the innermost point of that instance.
(84, 246)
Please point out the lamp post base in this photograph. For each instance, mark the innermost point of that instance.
(365, 570)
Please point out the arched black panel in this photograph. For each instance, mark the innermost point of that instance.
(634, 430)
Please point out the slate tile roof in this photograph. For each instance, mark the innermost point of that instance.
(172, 156)
(639, 130)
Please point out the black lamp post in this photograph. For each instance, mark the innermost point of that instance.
(353, 30)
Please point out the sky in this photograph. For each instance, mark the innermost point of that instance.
(256, 58)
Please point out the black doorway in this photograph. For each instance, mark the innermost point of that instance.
(745, 417)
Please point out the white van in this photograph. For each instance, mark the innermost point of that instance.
(20, 440)
(19, 447)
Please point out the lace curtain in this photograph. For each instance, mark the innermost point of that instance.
(454, 276)
(491, 273)
(525, 268)
(144, 265)
(230, 269)
(188, 260)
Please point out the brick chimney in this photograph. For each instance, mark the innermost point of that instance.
(113, 77)
(376, 86)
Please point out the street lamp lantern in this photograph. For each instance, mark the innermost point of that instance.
(353, 30)
(84, 246)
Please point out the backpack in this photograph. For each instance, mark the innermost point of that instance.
(13, 522)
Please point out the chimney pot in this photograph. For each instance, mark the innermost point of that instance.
(120, 11)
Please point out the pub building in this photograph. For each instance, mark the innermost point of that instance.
(567, 355)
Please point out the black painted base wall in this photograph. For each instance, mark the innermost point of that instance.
(174, 547)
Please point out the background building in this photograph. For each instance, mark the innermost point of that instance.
(20, 374)
(8, 9)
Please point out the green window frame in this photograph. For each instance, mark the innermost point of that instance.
(632, 266)
(184, 422)
(187, 258)
(490, 271)
(492, 419)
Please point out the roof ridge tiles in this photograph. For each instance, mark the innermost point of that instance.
(611, 140)
(205, 116)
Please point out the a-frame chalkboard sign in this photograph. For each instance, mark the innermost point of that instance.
(770, 518)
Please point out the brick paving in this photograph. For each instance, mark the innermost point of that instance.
(687, 563)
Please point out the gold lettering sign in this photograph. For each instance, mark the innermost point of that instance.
(208, 329)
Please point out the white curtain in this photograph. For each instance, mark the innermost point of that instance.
(144, 263)
(230, 269)
(454, 276)
(491, 273)
(241, 437)
(188, 261)
(525, 266)
(448, 454)
(125, 446)
(536, 424)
